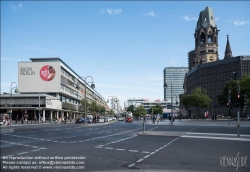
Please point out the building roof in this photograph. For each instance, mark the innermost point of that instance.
(206, 18)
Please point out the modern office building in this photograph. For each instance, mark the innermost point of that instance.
(133, 101)
(164, 104)
(174, 76)
(52, 85)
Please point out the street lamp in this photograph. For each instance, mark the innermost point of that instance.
(93, 87)
(16, 91)
(61, 110)
(165, 86)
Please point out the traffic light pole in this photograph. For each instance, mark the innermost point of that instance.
(238, 115)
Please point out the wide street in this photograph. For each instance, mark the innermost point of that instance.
(119, 146)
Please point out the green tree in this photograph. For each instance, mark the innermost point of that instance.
(156, 110)
(83, 103)
(140, 110)
(244, 83)
(94, 107)
(131, 108)
(197, 98)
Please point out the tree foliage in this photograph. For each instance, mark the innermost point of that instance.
(156, 110)
(233, 85)
(197, 98)
(140, 110)
(131, 108)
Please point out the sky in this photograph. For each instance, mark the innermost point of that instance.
(124, 46)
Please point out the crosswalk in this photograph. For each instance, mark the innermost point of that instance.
(219, 136)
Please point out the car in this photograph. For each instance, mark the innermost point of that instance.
(105, 119)
(129, 119)
(120, 119)
(100, 120)
(80, 120)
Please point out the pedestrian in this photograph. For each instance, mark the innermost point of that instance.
(169, 117)
(22, 119)
(17, 119)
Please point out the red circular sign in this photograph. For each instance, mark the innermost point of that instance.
(47, 73)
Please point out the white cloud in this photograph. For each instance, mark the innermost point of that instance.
(114, 11)
(151, 13)
(102, 12)
(17, 7)
(2, 58)
(239, 22)
(187, 18)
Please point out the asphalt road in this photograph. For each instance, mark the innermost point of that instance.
(117, 146)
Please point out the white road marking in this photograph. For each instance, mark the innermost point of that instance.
(146, 156)
(218, 138)
(22, 153)
(133, 150)
(35, 150)
(145, 152)
(121, 149)
(139, 160)
(108, 148)
(131, 165)
(217, 134)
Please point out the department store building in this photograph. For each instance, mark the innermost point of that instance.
(51, 87)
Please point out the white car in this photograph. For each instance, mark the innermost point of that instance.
(101, 120)
(120, 119)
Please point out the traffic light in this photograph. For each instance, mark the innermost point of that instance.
(227, 104)
(238, 98)
(234, 75)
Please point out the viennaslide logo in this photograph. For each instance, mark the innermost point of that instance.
(233, 161)
(47, 73)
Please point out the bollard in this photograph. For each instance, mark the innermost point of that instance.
(143, 126)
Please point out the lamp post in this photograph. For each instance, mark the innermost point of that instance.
(61, 110)
(85, 103)
(16, 91)
(165, 86)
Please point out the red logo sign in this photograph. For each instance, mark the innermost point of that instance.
(47, 73)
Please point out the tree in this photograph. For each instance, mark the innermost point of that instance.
(94, 107)
(131, 108)
(197, 98)
(83, 103)
(156, 110)
(233, 85)
(140, 110)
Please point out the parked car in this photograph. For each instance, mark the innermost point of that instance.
(120, 119)
(80, 120)
(101, 120)
(105, 119)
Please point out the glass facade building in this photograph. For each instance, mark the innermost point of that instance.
(174, 76)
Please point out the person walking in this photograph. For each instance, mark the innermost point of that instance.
(17, 119)
(22, 119)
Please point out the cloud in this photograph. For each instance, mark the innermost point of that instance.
(151, 13)
(187, 18)
(239, 22)
(114, 11)
(37, 49)
(17, 7)
(2, 58)
(102, 12)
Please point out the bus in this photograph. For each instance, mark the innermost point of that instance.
(129, 117)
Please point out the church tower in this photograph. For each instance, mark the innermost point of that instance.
(206, 40)
(228, 51)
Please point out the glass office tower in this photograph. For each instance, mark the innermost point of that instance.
(174, 76)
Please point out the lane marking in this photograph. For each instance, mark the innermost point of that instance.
(218, 138)
(133, 150)
(35, 150)
(145, 152)
(22, 153)
(108, 148)
(131, 165)
(139, 160)
(120, 149)
(217, 134)
(146, 156)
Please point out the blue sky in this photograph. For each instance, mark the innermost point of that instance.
(124, 46)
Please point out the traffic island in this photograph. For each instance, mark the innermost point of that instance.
(162, 133)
